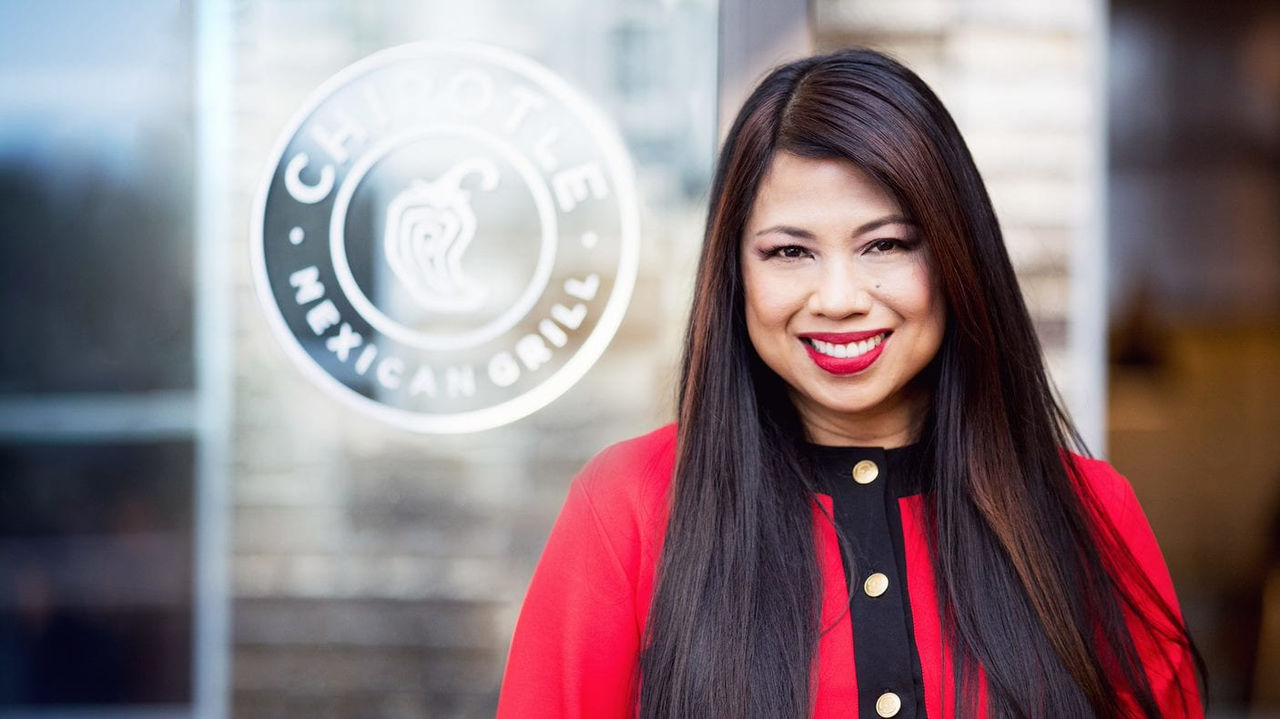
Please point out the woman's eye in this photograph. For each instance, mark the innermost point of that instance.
(883, 246)
(789, 252)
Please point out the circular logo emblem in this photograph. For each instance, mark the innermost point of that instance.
(447, 237)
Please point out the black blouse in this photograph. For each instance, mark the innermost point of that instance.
(865, 484)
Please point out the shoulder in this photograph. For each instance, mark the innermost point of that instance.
(1133, 554)
(1095, 471)
(649, 454)
(1111, 498)
(1105, 487)
(629, 480)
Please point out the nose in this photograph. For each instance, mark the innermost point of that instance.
(838, 292)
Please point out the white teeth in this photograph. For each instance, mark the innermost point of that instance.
(853, 349)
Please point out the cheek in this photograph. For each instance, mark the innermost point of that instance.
(766, 300)
(932, 306)
(912, 294)
(929, 296)
(751, 301)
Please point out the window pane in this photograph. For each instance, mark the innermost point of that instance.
(95, 573)
(95, 197)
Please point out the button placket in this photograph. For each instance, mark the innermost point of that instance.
(881, 631)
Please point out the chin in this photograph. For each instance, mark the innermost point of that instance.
(850, 407)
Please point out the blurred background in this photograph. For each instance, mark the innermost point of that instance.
(190, 527)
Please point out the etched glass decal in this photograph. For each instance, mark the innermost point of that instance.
(447, 236)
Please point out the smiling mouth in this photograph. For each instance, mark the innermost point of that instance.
(844, 351)
(847, 358)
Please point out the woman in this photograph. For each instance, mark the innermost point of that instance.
(868, 508)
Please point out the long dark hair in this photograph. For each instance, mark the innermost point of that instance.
(1033, 584)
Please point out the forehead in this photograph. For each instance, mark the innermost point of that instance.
(819, 191)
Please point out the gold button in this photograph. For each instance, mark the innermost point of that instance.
(888, 705)
(876, 585)
(865, 472)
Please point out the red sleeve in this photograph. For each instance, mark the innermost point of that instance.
(574, 652)
(1168, 663)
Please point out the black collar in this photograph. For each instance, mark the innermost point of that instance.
(903, 469)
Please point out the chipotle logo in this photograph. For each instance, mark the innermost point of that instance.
(446, 237)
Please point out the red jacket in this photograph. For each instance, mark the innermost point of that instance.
(574, 653)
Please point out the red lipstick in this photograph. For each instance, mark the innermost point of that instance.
(842, 338)
(844, 365)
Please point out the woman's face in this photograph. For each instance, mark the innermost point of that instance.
(841, 300)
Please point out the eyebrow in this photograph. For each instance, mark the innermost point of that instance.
(863, 229)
